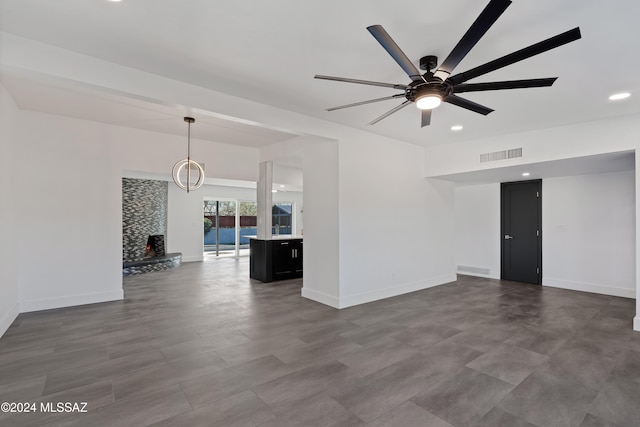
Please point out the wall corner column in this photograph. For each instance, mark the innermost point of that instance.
(264, 198)
(636, 320)
(321, 281)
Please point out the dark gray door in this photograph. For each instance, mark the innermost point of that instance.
(521, 231)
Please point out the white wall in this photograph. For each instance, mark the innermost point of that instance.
(636, 320)
(335, 212)
(588, 231)
(9, 307)
(396, 227)
(287, 175)
(321, 257)
(70, 204)
(77, 171)
(477, 234)
(67, 214)
(429, 204)
(563, 142)
(588, 227)
(184, 223)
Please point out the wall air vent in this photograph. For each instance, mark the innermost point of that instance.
(514, 153)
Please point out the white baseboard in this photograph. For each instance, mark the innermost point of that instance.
(8, 319)
(69, 301)
(474, 271)
(320, 297)
(486, 276)
(589, 287)
(365, 297)
(636, 323)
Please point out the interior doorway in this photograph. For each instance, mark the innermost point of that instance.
(521, 231)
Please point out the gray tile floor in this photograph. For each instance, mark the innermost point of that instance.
(202, 345)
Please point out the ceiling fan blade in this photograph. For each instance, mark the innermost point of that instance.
(362, 82)
(426, 118)
(509, 84)
(394, 50)
(527, 52)
(355, 104)
(485, 20)
(390, 112)
(469, 105)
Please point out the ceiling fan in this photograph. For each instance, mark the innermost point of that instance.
(430, 89)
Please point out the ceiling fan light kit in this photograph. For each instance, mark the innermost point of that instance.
(427, 90)
(428, 102)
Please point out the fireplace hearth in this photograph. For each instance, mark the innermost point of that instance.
(155, 258)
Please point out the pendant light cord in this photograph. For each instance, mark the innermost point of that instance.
(188, 155)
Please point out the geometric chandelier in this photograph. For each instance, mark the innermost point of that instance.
(189, 165)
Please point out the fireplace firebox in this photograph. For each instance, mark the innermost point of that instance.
(155, 258)
(155, 246)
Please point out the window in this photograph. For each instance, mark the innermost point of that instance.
(282, 218)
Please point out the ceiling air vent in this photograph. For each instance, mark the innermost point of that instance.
(501, 155)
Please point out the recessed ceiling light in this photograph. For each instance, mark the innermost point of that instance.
(274, 191)
(456, 128)
(115, 1)
(281, 186)
(619, 96)
(525, 174)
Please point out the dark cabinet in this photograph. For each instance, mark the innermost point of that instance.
(297, 258)
(276, 259)
(282, 258)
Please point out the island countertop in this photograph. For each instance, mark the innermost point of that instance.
(277, 237)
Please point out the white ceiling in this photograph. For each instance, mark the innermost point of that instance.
(79, 101)
(269, 51)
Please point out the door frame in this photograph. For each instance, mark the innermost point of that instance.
(539, 224)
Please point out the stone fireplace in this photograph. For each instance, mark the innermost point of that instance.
(144, 226)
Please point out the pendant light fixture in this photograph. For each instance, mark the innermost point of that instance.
(189, 164)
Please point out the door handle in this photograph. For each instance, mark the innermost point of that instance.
(507, 237)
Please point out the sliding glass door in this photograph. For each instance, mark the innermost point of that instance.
(220, 227)
(227, 223)
(247, 212)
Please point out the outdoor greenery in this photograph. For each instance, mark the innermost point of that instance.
(228, 208)
(208, 224)
(248, 209)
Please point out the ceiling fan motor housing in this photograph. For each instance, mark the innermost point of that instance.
(433, 86)
(428, 62)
